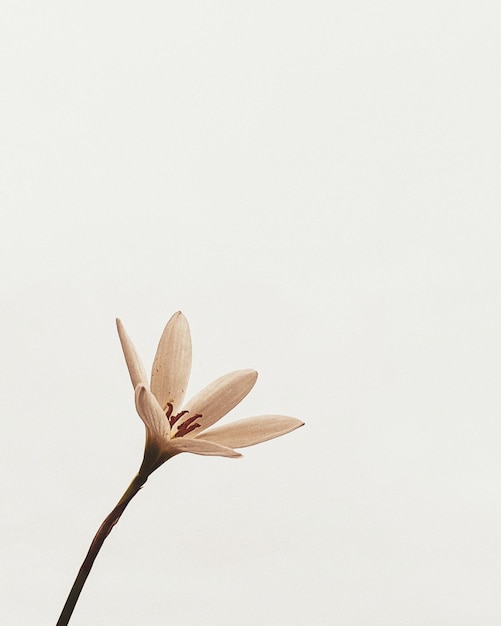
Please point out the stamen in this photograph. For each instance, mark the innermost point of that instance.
(173, 418)
(188, 425)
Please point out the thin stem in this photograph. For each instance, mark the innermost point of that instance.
(95, 546)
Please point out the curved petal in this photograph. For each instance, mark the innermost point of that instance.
(134, 364)
(172, 364)
(151, 412)
(250, 431)
(205, 448)
(213, 402)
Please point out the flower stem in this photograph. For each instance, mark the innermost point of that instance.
(104, 530)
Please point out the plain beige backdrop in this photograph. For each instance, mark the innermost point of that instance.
(317, 186)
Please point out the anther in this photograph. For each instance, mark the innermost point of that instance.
(188, 425)
(173, 418)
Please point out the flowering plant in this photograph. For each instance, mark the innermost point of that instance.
(171, 430)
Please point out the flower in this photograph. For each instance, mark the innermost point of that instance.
(171, 430)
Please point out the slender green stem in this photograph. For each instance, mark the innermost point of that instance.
(95, 546)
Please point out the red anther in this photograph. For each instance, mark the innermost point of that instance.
(188, 425)
(173, 418)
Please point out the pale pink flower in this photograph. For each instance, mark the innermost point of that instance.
(172, 428)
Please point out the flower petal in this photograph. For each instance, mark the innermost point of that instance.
(206, 448)
(151, 413)
(172, 364)
(134, 364)
(250, 431)
(213, 402)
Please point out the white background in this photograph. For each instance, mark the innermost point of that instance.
(316, 185)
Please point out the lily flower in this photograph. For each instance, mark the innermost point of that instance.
(172, 428)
